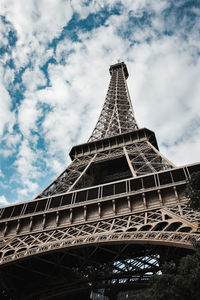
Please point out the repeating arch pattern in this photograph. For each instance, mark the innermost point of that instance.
(149, 227)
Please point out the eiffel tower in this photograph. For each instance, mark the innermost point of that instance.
(107, 222)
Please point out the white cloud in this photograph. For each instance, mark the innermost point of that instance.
(32, 79)
(8, 76)
(6, 152)
(185, 151)
(5, 109)
(168, 80)
(145, 5)
(3, 201)
(4, 32)
(1, 174)
(92, 7)
(28, 115)
(27, 169)
(36, 26)
(30, 187)
(12, 140)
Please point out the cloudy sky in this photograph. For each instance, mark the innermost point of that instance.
(54, 61)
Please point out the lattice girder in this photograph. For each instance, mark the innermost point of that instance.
(174, 229)
(99, 254)
(108, 221)
(117, 114)
(141, 158)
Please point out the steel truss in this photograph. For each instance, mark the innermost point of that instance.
(175, 225)
(117, 115)
(107, 222)
(141, 158)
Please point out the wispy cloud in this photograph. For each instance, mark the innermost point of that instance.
(1, 174)
(3, 201)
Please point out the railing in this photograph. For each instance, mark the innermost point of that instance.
(145, 182)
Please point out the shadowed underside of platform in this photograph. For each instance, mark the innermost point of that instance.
(73, 273)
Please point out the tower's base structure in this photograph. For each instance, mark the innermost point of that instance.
(107, 223)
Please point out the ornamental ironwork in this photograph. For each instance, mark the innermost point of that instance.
(107, 222)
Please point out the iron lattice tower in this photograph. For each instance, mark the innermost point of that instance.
(107, 222)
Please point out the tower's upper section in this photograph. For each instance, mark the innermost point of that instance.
(117, 115)
(120, 65)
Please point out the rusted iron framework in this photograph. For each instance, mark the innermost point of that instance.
(107, 222)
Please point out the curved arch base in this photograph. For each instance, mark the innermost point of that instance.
(78, 268)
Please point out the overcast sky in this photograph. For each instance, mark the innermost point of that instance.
(54, 62)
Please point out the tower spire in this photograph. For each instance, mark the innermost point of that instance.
(117, 115)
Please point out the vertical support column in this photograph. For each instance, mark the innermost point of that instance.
(70, 215)
(99, 209)
(114, 206)
(31, 223)
(57, 218)
(129, 162)
(160, 198)
(5, 228)
(144, 200)
(85, 212)
(18, 225)
(44, 221)
(129, 203)
(178, 200)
